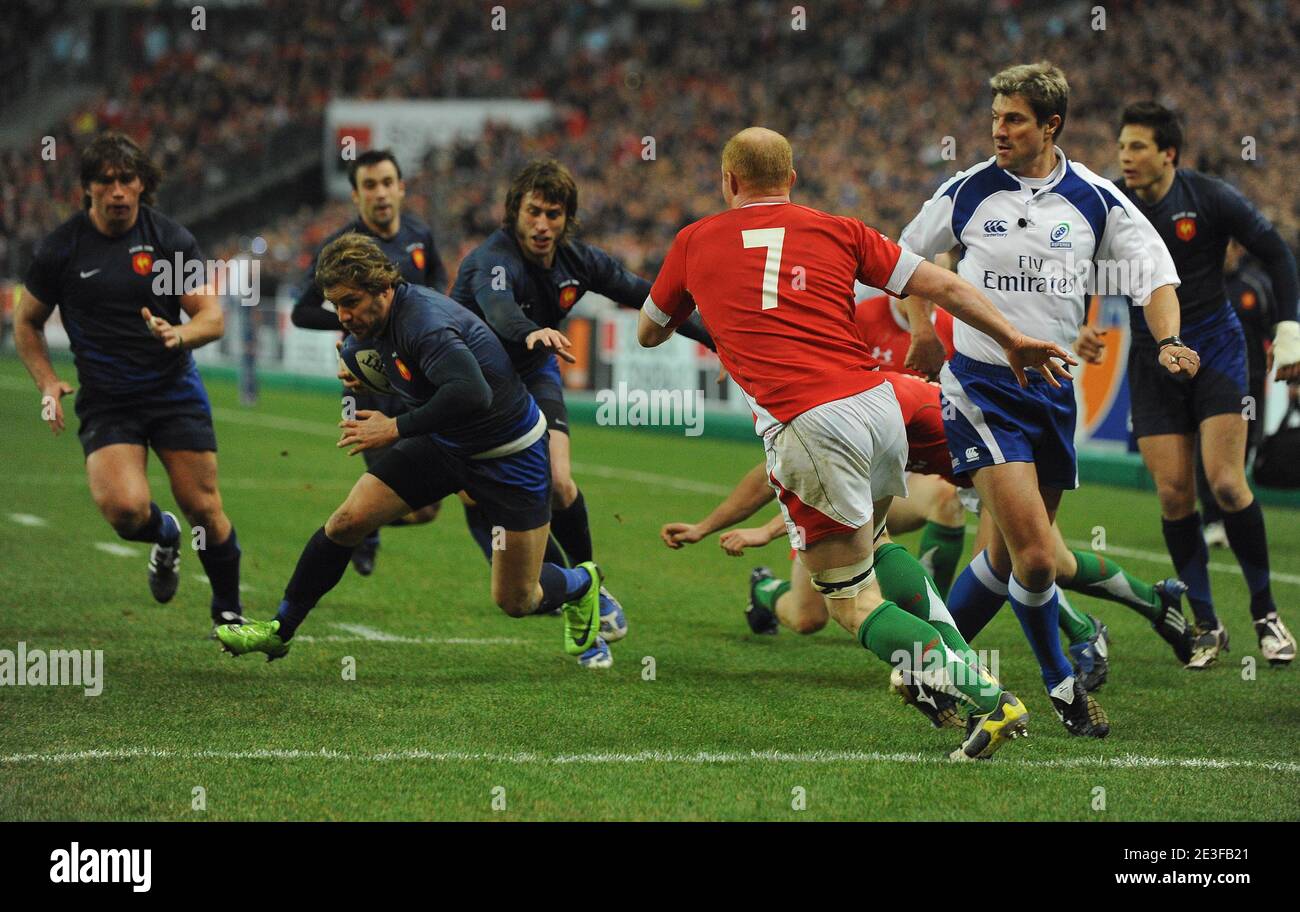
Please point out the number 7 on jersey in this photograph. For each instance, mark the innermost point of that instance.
(773, 239)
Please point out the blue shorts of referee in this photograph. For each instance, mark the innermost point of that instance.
(990, 419)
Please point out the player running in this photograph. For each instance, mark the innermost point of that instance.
(139, 385)
(470, 425)
(774, 283)
(378, 192)
(1196, 215)
(523, 281)
(1031, 226)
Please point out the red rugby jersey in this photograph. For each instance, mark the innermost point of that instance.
(774, 285)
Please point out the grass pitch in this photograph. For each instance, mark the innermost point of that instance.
(459, 712)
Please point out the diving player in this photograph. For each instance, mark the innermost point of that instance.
(469, 425)
(1196, 215)
(139, 385)
(378, 192)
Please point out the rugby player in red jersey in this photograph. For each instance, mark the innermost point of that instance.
(773, 282)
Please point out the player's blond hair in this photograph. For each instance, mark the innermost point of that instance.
(760, 158)
(1041, 84)
(354, 260)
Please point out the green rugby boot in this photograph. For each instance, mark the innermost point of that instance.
(582, 617)
(253, 636)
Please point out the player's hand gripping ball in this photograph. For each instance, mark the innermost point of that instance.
(362, 361)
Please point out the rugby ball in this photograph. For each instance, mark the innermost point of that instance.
(363, 362)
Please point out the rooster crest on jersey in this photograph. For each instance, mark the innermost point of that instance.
(365, 364)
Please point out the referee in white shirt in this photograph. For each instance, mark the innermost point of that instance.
(1032, 229)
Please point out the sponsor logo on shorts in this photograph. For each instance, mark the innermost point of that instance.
(972, 453)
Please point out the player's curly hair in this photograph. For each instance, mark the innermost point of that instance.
(121, 153)
(356, 261)
(1042, 84)
(553, 181)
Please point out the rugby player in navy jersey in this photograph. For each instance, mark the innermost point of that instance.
(1196, 215)
(377, 191)
(469, 425)
(139, 386)
(523, 281)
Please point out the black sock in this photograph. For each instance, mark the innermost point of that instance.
(570, 528)
(554, 553)
(479, 530)
(155, 530)
(1249, 543)
(1186, 544)
(319, 570)
(221, 563)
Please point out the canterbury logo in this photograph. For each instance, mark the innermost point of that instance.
(995, 226)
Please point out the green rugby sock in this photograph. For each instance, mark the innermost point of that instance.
(907, 642)
(768, 591)
(940, 552)
(903, 580)
(1078, 627)
(1102, 578)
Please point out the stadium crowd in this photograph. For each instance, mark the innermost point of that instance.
(876, 125)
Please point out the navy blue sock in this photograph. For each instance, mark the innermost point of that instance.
(1038, 613)
(976, 596)
(221, 564)
(319, 570)
(571, 529)
(560, 585)
(372, 540)
(157, 529)
(479, 529)
(1185, 542)
(1249, 543)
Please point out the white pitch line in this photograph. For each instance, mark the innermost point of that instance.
(700, 758)
(363, 634)
(116, 549)
(28, 519)
(666, 481)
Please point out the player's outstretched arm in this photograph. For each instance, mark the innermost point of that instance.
(207, 322)
(735, 541)
(29, 339)
(1164, 319)
(748, 497)
(965, 302)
